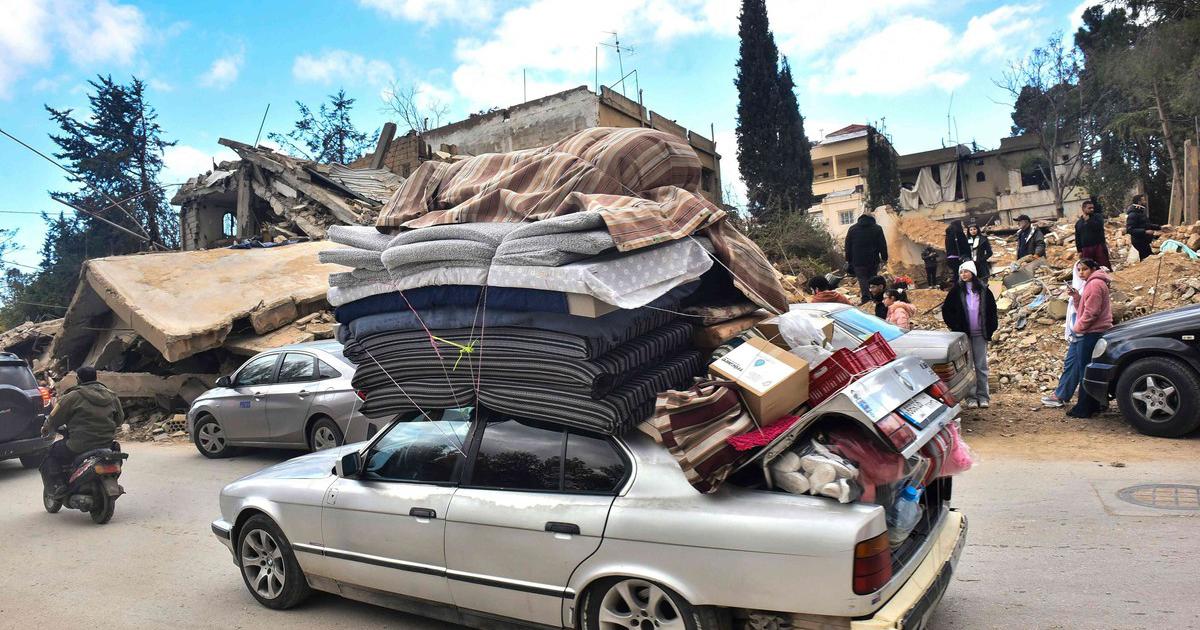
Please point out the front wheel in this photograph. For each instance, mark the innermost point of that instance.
(51, 504)
(623, 603)
(269, 567)
(1160, 396)
(103, 505)
(210, 439)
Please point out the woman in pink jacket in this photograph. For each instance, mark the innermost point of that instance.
(1093, 318)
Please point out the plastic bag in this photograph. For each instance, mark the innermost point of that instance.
(876, 466)
(960, 458)
(806, 340)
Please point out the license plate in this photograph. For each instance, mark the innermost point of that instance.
(919, 408)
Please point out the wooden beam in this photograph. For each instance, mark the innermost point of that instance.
(381, 147)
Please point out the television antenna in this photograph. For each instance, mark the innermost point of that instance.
(620, 58)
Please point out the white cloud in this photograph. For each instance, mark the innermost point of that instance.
(1000, 33)
(1075, 17)
(183, 162)
(90, 33)
(224, 71)
(909, 54)
(340, 66)
(433, 11)
(805, 29)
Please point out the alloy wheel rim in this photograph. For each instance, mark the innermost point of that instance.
(262, 563)
(639, 605)
(1155, 397)
(324, 438)
(212, 438)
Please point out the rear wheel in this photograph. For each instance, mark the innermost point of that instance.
(1160, 396)
(625, 603)
(324, 434)
(269, 566)
(103, 505)
(210, 440)
(33, 460)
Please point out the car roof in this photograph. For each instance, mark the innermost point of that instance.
(325, 345)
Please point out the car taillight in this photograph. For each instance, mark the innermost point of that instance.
(899, 432)
(945, 371)
(362, 395)
(107, 469)
(872, 564)
(45, 396)
(941, 391)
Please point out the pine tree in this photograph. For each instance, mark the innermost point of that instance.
(758, 93)
(329, 137)
(793, 175)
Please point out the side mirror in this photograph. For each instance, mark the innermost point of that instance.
(347, 466)
(224, 381)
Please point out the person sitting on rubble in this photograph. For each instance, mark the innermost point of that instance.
(1030, 241)
(876, 286)
(981, 251)
(1139, 228)
(929, 255)
(91, 412)
(899, 311)
(1090, 241)
(970, 308)
(822, 292)
(1094, 318)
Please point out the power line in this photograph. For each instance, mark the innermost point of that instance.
(16, 264)
(129, 198)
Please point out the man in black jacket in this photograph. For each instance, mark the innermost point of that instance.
(1089, 235)
(1030, 241)
(866, 249)
(1139, 228)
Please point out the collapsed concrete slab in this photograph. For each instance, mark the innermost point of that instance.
(184, 303)
(31, 339)
(128, 385)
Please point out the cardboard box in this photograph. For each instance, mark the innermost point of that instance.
(772, 381)
(769, 328)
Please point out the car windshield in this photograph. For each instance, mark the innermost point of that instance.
(17, 375)
(865, 325)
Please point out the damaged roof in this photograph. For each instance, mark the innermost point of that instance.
(184, 303)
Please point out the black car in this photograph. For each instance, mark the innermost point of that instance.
(22, 413)
(1151, 365)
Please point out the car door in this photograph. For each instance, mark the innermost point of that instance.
(243, 415)
(523, 522)
(386, 528)
(289, 397)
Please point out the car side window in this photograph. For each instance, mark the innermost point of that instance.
(257, 372)
(297, 368)
(324, 370)
(592, 465)
(423, 448)
(519, 454)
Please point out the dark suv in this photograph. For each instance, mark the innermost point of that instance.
(1151, 365)
(22, 412)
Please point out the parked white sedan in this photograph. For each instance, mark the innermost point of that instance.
(481, 518)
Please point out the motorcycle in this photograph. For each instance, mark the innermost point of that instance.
(92, 485)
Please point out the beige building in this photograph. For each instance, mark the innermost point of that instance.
(840, 178)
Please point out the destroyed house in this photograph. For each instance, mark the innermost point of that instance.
(840, 165)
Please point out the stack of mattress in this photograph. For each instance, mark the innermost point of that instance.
(555, 316)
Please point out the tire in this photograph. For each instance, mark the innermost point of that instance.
(209, 438)
(103, 505)
(623, 603)
(1160, 396)
(323, 434)
(268, 565)
(52, 505)
(33, 460)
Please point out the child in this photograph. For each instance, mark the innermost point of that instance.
(900, 311)
(970, 308)
(823, 291)
(931, 265)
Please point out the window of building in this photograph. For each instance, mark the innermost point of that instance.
(980, 177)
(706, 180)
(1033, 173)
(846, 217)
(824, 163)
(854, 170)
(229, 225)
(824, 175)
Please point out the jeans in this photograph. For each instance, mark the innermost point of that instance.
(1086, 406)
(57, 459)
(979, 355)
(1071, 374)
(864, 273)
(931, 276)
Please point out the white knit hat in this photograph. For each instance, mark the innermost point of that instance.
(969, 266)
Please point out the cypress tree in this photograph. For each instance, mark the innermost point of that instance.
(793, 174)
(758, 92)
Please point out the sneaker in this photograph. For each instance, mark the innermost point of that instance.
(972, 404)
(1051, 401)
(984, 404)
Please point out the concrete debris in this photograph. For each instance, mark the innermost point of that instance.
(31, 340)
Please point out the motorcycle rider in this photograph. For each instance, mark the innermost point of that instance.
(91, 413)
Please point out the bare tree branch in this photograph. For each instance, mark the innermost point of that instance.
(419, 114)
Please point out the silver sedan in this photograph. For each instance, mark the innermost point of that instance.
(490, 520)
(297, 396)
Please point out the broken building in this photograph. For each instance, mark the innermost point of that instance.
(840, 165)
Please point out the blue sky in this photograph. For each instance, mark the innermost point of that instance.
(214, 67)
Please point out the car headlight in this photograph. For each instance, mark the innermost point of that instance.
(1101, 346)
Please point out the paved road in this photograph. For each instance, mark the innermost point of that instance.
(1050, 547)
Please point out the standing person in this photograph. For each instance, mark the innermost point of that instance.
(1089, 235)
(866, 249)
(1139, 228)
(875, 288)
(822, 292)
(981, 251)
(899, 311)
(1093, 320)
(930, 257)
(1072, 372)
(91, 413)
(957, 248)
(1030, 241)
(970, 308)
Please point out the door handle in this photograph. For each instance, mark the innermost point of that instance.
(422, 513)
(303, 394)
(562, 528)
(257, 394)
